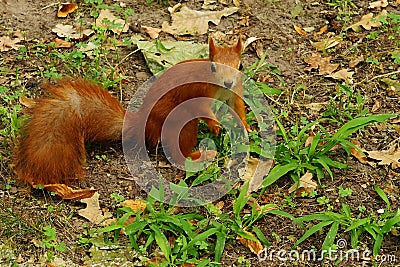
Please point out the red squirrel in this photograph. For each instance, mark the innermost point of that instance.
(50, 149)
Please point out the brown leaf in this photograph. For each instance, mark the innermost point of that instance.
(106, 14)
(208, 155)
(255, 246)
(27, 102)
(299, 30)
(152, 32)
(191, 22)
(343, 74)
(254, 174)
(316, 61)
(66, 192)
(376, 106)
(135, 205)
(322, 30)
(327, 43)
(60, 43)
(92, 212)
(386, 157)
(355, 61)
(66, 9)
(356, 152)
(6, 43)
(367, 22)
(73, 33)
(305, 184)
(378, 4)
(310, 137)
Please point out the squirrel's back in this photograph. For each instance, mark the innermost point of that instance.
(51, 146)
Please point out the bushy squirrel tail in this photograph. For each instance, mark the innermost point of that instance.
(51, 149)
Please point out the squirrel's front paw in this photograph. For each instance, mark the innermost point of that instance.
(215, 127)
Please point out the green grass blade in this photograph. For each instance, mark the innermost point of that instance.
(330, 238)
(277, 172)
(201, 237)
(219, 245)
(357, 223)
(161, 241)
(382, 194)
(311, 231)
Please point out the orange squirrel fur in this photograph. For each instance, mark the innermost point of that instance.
(51, 145)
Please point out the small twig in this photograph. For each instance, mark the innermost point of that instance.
(128, 55)
(378, 76)
(54, 4)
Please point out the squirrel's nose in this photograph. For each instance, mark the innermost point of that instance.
(228, 84)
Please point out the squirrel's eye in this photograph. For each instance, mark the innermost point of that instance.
(213, 67)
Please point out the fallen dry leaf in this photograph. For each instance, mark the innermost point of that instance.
(386, 157)
(367, 22)
(66, 9)
(316, 106)
(92, 212)
(310, 137)
(299, 30)
(255, 246)
(343, 74)
(254, 174)
(316, 61)
(208, 155)
(322, 30)
(105, 15)
(66, 192)
(378, 4)
(135, 205)
(191, 22)
(27, 102)
(70, 32)
(357, 151)
(305, 184)
(376, 106)
(327, 43)
(60, 43)
(6, 43)
(152, 32)
(355, 61)
(209, 4)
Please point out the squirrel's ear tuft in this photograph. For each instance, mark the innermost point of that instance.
(211, 47)
(239, 45)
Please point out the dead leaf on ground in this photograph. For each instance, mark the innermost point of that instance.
(322, 30)
(66, 9)
(376, 106)
(316, 106)
(27, 102)
(299, 30)
(355, 61)
(6, 43)
(378, 4)
(393, 86)
(255, 246)
(323, 64)
(92, 212)
(343, 74)
(357, 152)
(368, 21)
(192, 22)
(60, 43)
(305, 184)
(255, 171)
(120, 24)
(209, 4)
(208, 155)
(152, 32)
(327, 43)
(70, 32)
(135, 205)
(310, 137)
(386, 157)
(66, 192)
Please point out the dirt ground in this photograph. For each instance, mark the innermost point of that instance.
(270, 21)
